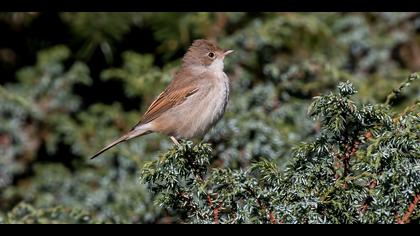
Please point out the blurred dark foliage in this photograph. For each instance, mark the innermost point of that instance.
(72, 82)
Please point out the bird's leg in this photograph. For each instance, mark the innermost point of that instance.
(174, 140)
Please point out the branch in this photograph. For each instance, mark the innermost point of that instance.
(270, 213)
(407, 215)
(215, 210)
(350, 150)
(396, 92)
(272, 218)
(263, 207)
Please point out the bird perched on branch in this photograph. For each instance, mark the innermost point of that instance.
(193, 102)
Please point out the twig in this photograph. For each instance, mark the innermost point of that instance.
(215, 210)
(406, 218)
(272, 218)
(282, 219)
(395, 92)
(349, 152)
(264, 207)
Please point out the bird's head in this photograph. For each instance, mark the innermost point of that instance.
(205, 53)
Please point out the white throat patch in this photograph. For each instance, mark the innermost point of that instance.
(217, 65)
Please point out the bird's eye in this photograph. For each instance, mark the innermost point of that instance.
(211, 55)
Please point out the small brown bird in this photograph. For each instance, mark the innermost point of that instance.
(193, 102)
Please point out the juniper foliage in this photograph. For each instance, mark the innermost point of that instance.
(362, 168)
(27, 214)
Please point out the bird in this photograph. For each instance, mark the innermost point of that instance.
(193, 102)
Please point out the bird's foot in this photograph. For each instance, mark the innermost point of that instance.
(174, 140)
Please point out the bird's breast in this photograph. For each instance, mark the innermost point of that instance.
(217, 98)
(209, 106)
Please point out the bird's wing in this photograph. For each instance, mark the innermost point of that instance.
(166, 100)
(183, 86)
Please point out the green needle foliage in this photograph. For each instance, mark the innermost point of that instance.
(27, 214)
(363, 168)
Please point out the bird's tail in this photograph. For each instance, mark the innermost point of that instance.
(132, 134)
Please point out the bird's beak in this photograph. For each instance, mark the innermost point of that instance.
(227, 52)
